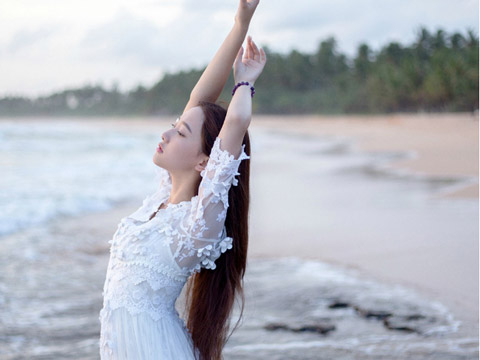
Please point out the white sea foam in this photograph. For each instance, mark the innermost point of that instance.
(69, 169)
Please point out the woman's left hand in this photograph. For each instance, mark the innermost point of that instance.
(251, 66)
(245, 11)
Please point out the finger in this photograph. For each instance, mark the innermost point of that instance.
(239, 55)
(256, 53)
(263, 56)
(248, 49)
(251, 50)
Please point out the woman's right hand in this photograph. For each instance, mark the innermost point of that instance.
(245, 11)
(250, 68)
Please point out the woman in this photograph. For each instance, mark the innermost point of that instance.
(182, 231)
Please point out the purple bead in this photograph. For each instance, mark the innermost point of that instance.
(243, 83)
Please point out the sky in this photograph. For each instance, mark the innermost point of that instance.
(48, 46)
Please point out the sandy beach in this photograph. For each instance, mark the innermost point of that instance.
(298, 211)
(441, 145)
(438, 145)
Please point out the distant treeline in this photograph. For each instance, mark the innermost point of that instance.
(438, 72)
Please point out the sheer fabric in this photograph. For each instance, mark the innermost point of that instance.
(150, 261)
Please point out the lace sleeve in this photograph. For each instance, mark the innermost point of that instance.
(205, 235)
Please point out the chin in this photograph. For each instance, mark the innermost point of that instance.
(158, 163)
(155, 160)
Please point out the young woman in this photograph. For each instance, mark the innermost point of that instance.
(181, 233)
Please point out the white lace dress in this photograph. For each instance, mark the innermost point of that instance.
(150, 261)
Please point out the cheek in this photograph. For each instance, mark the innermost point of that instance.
(182, 153)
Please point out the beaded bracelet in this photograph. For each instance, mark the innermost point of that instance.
(252, 89)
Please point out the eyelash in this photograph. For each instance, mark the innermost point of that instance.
(179, 133)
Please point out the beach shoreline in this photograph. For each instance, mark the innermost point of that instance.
(445, 145)
(284, 290)
(440, 144)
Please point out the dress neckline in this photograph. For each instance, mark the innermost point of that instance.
(169, 206)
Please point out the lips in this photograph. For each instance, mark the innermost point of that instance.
(159, 148)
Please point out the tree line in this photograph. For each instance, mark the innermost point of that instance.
(437, 72)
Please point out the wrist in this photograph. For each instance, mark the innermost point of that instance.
(244, 84)
(251, 82)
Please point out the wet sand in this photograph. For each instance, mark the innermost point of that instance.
(295, 309)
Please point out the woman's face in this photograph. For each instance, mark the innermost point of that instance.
(181, 147)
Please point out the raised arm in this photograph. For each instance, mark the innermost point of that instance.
(214, 77)
(239, 111)
(201, 238)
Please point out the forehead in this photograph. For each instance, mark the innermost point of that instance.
(194, 117)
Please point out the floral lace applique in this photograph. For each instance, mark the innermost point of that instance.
(201, 238)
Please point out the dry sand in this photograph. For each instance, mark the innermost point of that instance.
(445, 144)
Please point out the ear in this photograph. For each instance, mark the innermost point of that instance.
(201, 165)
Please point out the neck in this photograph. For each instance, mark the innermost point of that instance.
(184, 187)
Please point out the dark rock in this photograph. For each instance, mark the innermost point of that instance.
(409, 323)
(338, 305)
(321, 329)
(367, 313)
(275, 326)
(318, 328)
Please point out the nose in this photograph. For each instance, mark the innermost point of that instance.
(167, 133)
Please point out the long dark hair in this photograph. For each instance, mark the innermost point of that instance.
(210, 294)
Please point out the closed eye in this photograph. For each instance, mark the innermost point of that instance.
(179, 133)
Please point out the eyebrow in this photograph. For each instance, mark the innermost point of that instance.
(188, 127)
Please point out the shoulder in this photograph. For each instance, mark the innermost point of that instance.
(224, 156)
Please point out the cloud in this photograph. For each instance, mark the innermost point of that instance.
(25, 39)
(124, 37)
(137, 41)
(303, 24)
(188, 40)
(207, 6)
(305, 14)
